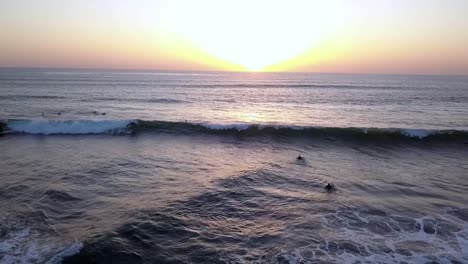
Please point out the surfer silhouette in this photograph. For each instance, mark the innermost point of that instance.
(299, 157)
(330, 187)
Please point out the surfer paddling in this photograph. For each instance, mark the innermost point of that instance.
(330, 187)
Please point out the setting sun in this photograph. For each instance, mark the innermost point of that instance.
(248, 34)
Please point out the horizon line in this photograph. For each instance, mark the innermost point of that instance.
(225, 71)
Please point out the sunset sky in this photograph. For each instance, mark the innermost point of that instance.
(362, 36)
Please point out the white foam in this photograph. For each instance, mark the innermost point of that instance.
(69, 251)
(24, 246)
(12, 249)
(440, 247)
(238, 127)
(43, 126)
(295, 257)
(22, 243)
(419, 133)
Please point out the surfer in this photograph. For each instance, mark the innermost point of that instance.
(299, 157)
(59, 113)
(330, 187)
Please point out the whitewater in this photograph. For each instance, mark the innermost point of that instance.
(122, 127)
(115, 166)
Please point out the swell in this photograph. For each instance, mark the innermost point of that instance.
(151, 100)
(120, 127)
(25, 97)
(287, 85)
(138, 83)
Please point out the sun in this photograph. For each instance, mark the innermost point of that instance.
(253, 34)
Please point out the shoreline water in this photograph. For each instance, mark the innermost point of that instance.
(197, 198)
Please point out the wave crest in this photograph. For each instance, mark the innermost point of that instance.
(49, 127)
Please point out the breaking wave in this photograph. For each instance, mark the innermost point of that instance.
(115, 127)
(50, 127)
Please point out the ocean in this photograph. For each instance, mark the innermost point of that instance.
(126, 166)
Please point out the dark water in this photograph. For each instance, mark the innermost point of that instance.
(83, 188)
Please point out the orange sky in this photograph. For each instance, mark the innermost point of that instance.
(363, 36)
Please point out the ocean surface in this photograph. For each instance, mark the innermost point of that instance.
(102, 166)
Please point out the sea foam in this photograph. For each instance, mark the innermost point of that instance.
(47, 127)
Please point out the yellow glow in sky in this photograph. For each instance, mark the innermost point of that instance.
(368, 36)
(256, 34)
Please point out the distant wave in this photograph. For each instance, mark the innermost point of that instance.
(280, 85)
(100, 72)
(118, 127)
(147, 100)
(16, 97)
(215, 85)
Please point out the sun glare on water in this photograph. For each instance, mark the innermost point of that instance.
(253, 34)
